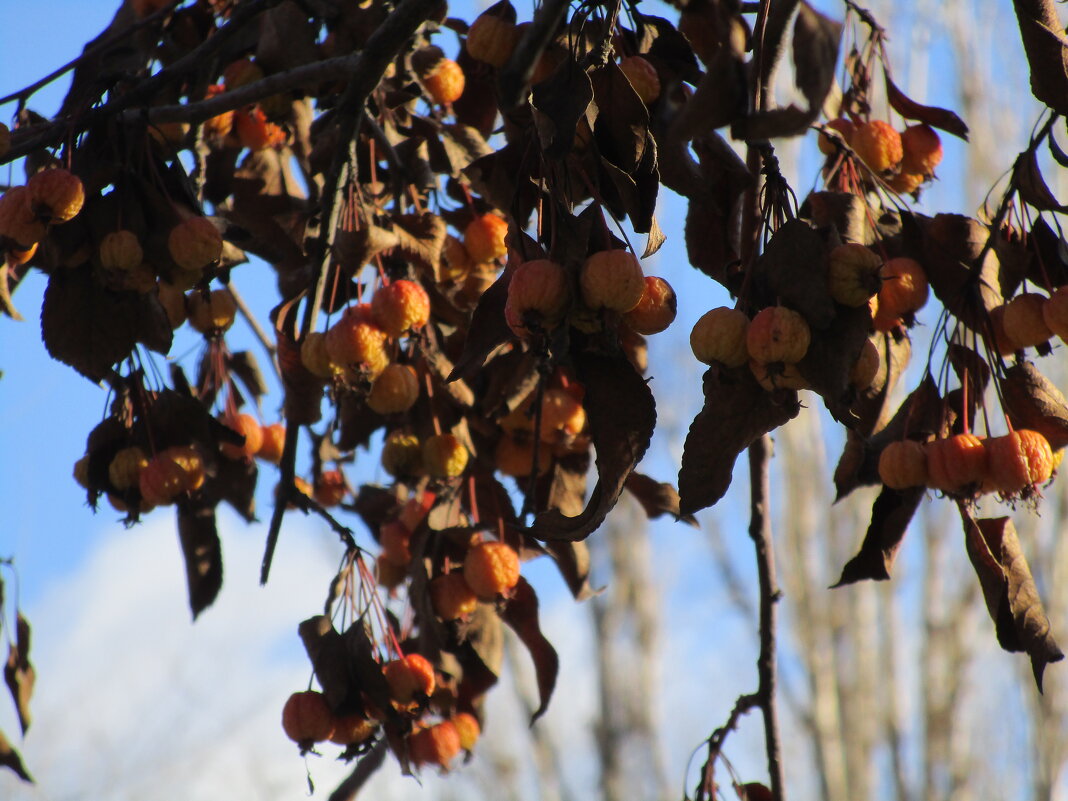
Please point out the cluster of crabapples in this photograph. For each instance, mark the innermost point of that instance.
(777, 338)
(1030, 320)
(435, 731)
(905, 159)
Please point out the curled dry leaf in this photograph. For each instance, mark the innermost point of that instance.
(815, 53)
(19, 674)
(736, 413)
(559, 106)
(9, 758)
(890, 517)
(657, 498)
(573, 561)
(832, 352)
(1028, 180)
(1032, 401)
(1046, 47)
(936, 117)
(793, 270)
(521, 614)
(1009, 590)
(952, 244)
(202, 552)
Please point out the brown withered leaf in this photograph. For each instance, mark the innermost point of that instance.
(564, 486)
(1009, 590)
(463, 144)
(870, 408)
(19, 674)
(1049, 255)
(815, 53)
(789, 120)
(622, 131)
(1028, 180)
(830, 357)
(303, 390)
(1032, 401)
(9, 758)
(655, 240)
(357, 421)
(890, 517)
(92, 328)
(344, 666)
(736, 413)
(481, 653)
(235, 483)
(622, 414)
(952, 244)
(720, 97)
(1046, 47)
(520, 612)
(286, 38)
(488, 330)
(657, 498)
(793, 269)
(573, 561)
(936, 117)
(477, 106)
(243, 364)
(7, 281)
(202, 552)
(559, 105)
(421, 237)
(842, 211)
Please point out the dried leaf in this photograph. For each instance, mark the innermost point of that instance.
(520, 612)
(559, 105)
(564, 486)
(657, 498)
(477, 106)
(831, 355)
(488, 330)
(1028, 180)
(1009, 590)
(9, 758)
(7, 305)
(356, 420)
(92, 328)
(719, 99)
(345, 666)
(1032, 401)
(932, 115)
(19, 674)
(622, 415)
(778, 122)
(235, 483)
(890, 517)
(243, 364)
(463, 144)
(842, 211)
(655, 241)
(622, 131)
(793, 269)
(1047, 51)
(815, 52)
(421, 238)
(736, 413)
(202, 552)
(573, 561)
(952, 244)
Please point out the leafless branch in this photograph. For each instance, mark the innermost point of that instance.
(364, 770)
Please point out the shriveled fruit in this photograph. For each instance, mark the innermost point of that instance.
(274, 441)
(778, 375)
(402, 455)
(538, 295)
(1055, 312)
(249, 427)
(844, 127)
(314, 355)
(330, 488)
(195, 243)
(866, 367)
(17, 220)
(435, 745)
(956, 463)
(468, 728)
(903, 464)
(213, 314)
(306, 718)
(921, 150)
(451, 597)
(562, 415)
(121, 250)
(162, 480)
(719, 336)
(657, 308)
(352, 729)
(444, 456)
(255, 132)
(491, 569)
(1020, 459)
(1024, 321)
(877, 144)
(484, 237)
(612, 279)
(514, 456)
(777, 334)
(904, 288)
(409, 677)
(642, 76)
(492, 38)
(191, 463)
(353, 340)
(126, 466)
(394, 391)
(853, 274)
(400, 307)
(442, 77)
(905, 183)
(56, 195)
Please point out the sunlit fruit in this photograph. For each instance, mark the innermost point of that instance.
(1024, 321)
(491, 569)
(904, 288)
(844, 127)
(562, 415)
(514, 456)
(903, 464)
(443, 78)
(121, 250)
(306, 718)
(249, 427)
(402, 454)
(451, 597)
(274, 441)
(218, 126)
(538, 295)
(353, 340)
(877, 144)
(314, 355)
(435, 745)
(657, 308)
(1020, 459)
(853, 274)
(468, 728)
(642, 76)
(409, 677)
(612, 279)
(195, 243)
(777, 334)
(56, 195)
(719, 337)
(921, 150)
(484, 237)
(125, 469)
(330, 488)
(399, 307)
(905, 183)
(255, 132)
(444, 456)
(352, 729)
(213, 314)
(17, 220)
(395, 390)
(956, 463)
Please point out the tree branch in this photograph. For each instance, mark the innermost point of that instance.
(365, 768)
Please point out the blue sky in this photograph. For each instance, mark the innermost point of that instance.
(122, 670)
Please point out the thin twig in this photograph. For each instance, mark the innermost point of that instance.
(365, 768)
(760, 532)
(257, 329)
